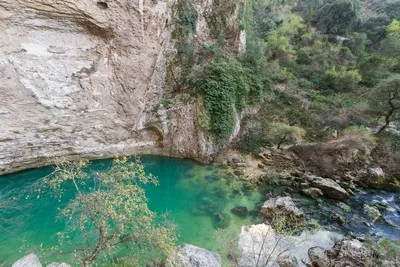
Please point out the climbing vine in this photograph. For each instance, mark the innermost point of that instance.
(227, 87)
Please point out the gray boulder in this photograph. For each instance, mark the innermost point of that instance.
(287, 260)
(373, 178)
(191, 256)
(318, 257)
(30, 260)
(282, 208)
(351, 252)
(375, 172)
(330, 188)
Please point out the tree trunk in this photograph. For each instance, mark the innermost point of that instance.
(281, 142)
(389, 114)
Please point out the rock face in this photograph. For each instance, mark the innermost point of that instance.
(30, 260)
(86, 78)
(191, 256)
(282, 208)
(330, 188)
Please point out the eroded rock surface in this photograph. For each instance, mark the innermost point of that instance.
(260, 245)
(81, 78)
(282, 208)
(348, 252)
(192, 256)
(30, 260)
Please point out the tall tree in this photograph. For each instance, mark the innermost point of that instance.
(385, 101)
(338, 16)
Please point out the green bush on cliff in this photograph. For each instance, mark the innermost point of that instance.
(226, 87)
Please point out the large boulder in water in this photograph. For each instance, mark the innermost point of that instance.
(371, 213)
(282, 208)
(191, 256)
(375, 178)
(30, 260)
(372, 178)
(348, 252)
(330, 188)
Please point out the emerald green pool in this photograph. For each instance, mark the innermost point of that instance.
(189, 193)
(193, 196)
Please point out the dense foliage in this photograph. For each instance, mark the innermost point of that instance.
(314, 66)
(227, 87)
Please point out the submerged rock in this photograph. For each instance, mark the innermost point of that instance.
(371, 213)
(223, 220)
(344, 207)
(338, 218)
(330, 188)
(240, 211)
(282, 208)
(312, 192)
(30, 260)
(191, 256)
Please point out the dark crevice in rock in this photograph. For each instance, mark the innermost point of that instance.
(93, 29)
(102, 5)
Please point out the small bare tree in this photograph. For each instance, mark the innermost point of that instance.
(109, 214)
(385, 101)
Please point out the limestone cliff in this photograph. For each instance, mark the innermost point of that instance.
(86, 78)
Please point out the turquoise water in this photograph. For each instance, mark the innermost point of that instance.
(190, 194)
(193, 196)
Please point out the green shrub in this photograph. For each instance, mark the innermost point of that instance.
(342, 79)
(227, 87)
(282, 133)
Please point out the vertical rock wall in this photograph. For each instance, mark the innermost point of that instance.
(85, 78)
